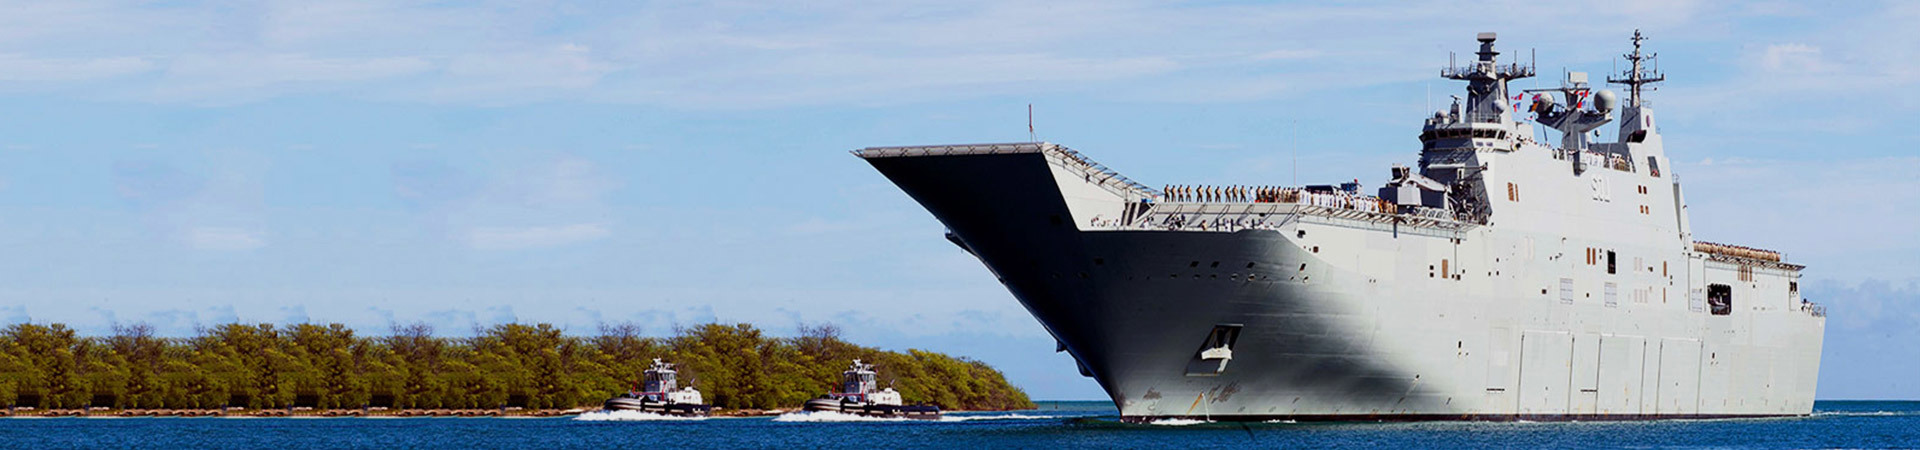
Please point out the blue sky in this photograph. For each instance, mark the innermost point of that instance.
(464, 164)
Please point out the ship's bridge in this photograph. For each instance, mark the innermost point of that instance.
(1484, 119)
(1441, 133)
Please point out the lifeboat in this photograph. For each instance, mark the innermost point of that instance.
(860, 395)
(659, 393)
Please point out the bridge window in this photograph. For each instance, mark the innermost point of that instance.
(1720, 299)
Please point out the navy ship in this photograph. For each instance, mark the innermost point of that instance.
(1505, 276)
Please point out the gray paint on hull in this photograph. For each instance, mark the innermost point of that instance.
(1137, 316)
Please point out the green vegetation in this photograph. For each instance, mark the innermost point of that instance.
(530, 366)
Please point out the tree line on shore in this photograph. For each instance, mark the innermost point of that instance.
(264, 366)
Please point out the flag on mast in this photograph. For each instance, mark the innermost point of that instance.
(1030, 122)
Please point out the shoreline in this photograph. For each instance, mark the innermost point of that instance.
(287, 412)
(22, 413)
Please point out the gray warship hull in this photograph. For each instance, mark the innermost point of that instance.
(1579, 294)
(1334, 316)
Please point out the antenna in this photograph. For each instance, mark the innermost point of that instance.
(1638, 78)
(1030, 135)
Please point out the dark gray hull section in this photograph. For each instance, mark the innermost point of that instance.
(1135, 307)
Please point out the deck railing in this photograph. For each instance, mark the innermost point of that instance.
(1056, 154)
(1815, 309)
(1097, 170)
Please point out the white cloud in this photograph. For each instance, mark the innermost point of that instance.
(1804, 82)
(15, 67)
(226, 78)
(758, 55)
(1285, 54)
(519, 76)
(546, 202)
(12, 314)
(214, 202)
(867, 78)
(818, 225)
(1778, 8)
(568, 180)
(1793, 57)
(518, 238)
(225, 238)
(1864, 208)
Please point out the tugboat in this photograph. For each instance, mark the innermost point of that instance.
(859, 396)
(660, 395)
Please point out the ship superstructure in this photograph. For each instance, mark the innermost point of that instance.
(1504, 277)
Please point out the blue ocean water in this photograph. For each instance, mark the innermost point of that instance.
(1845, 424)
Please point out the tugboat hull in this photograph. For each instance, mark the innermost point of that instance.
(655, 407)
(918, 412)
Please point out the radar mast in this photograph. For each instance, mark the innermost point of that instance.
(1487, 82)
(1638, 76)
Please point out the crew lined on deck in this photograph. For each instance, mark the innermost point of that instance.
(1276, 194)
(1255, 194)
(1264, 194)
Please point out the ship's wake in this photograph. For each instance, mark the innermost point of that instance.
(830, 416)
(1178, 422)
(1016, 416)
(632, 416)
(1865, 413)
